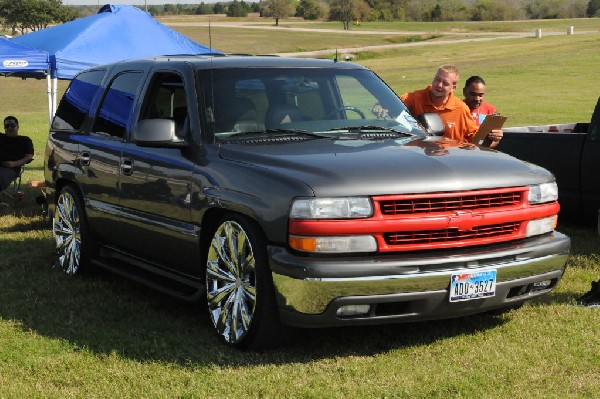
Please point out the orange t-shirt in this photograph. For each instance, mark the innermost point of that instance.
(458, 123)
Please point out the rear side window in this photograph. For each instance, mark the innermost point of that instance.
(76, 102)
(117, 104)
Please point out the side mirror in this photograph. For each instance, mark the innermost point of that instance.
(432, 123)
(157, 133)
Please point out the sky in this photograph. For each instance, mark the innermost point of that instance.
(142, 2)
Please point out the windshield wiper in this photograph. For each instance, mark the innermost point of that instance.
(279, 130)
(371, 131)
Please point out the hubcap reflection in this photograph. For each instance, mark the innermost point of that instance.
(66, 231)
(231, 282)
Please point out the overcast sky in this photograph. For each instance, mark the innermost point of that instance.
(141, 2)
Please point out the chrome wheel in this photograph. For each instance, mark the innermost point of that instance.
(231, 282)
(66, 229)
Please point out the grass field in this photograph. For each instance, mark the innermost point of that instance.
(100, 336)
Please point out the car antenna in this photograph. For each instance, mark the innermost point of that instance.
(209, 36)
(336, 56)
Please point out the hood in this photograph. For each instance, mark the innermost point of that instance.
(366, 167)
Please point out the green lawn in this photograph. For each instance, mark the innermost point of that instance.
(100, 336)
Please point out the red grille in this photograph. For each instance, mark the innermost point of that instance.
(448, 235)
(413, 222)
(449, 202)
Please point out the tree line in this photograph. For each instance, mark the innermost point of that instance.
(394, 10)
(30, 15)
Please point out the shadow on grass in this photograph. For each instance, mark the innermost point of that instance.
(27, 207)
(30, 225)
(558, 298)
(105, 314)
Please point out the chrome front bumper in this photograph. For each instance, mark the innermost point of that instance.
(410, 287)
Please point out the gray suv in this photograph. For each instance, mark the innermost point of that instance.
(266, 188)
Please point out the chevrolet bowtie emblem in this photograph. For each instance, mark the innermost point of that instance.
(464, 221)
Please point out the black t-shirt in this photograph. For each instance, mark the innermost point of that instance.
(14, 148)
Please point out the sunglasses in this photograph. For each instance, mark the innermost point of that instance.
(10, 125)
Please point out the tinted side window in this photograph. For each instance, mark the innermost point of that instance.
(75, 103)
(117, 104)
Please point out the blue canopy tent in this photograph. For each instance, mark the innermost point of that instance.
(115, 33)
(24, 62)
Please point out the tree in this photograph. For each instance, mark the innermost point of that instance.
(543, 9)
(436, 14)
(362, 10)
(277, 9)
(237, 9)
(574, 9)
(32, 15)
(155, 10)
(491, 10)
(309, 9)
(419, 10)
(170, 9)
(219, 8)
(593, 9)
(343, 10)
(454, 10)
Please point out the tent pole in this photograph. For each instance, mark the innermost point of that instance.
(54, 90)
(50, 113)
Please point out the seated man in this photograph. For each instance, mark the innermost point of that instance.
(15, 151)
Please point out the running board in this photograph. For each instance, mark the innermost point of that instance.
(158, 279)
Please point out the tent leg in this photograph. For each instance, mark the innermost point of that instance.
(50, 113)
(54, 90)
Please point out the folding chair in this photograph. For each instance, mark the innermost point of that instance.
(14, 190)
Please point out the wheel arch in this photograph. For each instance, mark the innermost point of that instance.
(210, 222)
(61, 183)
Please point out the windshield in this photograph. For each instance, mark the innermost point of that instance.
(317, 101)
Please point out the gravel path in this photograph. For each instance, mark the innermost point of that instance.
(477, 36)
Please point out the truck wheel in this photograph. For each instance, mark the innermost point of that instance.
(71, 233)
(239, 287)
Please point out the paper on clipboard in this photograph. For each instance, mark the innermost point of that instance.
(491, 122)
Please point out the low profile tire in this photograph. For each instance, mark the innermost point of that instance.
(71, 233)
(239, 286)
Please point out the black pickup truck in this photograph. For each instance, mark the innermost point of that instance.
(572, 153)
(266, 188)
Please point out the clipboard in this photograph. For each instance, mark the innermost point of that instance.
(491, 122)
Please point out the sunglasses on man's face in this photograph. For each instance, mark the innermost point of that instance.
(10, 125)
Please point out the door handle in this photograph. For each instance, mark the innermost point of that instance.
(127, 167)
(84, 158)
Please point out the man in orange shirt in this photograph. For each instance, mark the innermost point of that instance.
(474, 91)
(439, 98)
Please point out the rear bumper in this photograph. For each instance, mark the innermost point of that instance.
(411, 287)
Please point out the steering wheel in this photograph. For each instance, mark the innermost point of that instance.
(345, 108)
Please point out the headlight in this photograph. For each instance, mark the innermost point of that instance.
(332, 208)
(546, 192)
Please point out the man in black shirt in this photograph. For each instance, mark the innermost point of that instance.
(15, 151)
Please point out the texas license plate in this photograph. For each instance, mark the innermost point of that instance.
(466, 286)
